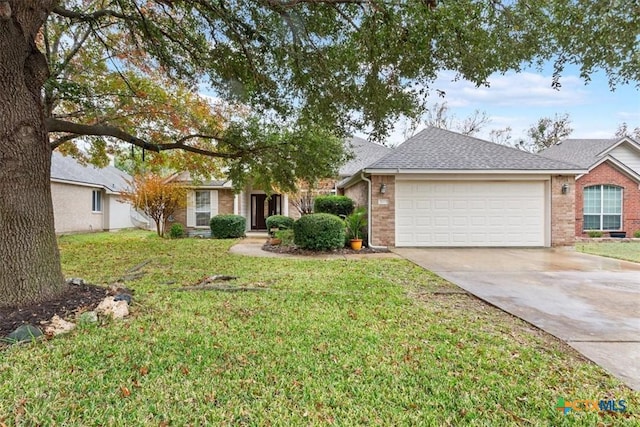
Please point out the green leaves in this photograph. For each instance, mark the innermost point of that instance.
(275, 158)
(287, 75)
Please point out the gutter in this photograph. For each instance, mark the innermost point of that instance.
(398, 171)
(369, 195)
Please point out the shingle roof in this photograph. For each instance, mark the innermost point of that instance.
(582, 152)
(440, 149)
(364, 152)
(66, 168)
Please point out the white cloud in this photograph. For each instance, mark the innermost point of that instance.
(513, 89)
(631, 117)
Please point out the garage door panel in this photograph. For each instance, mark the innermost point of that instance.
(405, 204)
(423, 204)
(468, 213)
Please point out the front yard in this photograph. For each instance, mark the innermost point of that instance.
(629, 251)
(372, 342)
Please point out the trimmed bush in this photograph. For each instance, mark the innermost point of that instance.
(594, 233)
(285, 236)
(176, 231)
(227, 226)
(319, 232)
(280, 222)
(637, 234)
(336, 205)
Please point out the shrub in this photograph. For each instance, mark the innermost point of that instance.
(286, 237)
(227, 226)
(636, 234)
(176, 231)
(336, 205)
(280, 222)
(594, 233)
(319, 232)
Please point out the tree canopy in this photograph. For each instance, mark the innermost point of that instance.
(339, 65)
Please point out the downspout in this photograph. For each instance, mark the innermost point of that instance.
(364, 178)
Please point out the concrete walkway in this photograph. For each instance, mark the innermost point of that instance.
(252, 246)
(590, 302)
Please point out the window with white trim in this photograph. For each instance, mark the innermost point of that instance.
(96, 201)
(602, 207)
(203, 208)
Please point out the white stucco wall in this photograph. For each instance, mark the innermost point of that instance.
(118, 213)
(72, 208)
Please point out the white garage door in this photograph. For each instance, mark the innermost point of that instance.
(470, 213)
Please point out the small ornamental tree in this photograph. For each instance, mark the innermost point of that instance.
(156, 197)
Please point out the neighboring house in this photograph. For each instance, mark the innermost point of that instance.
(206, 200)
(608, 194)
(441, 188)
(85, 198)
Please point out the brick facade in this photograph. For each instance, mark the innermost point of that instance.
(607, 174)
(225, 206)
(562, 210)
(383, 211)
(225, 201)
(359, 193)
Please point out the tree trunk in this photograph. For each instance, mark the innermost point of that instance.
(30, 268)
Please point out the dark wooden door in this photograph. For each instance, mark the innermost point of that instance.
(261, 209)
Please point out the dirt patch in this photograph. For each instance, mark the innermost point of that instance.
(294, 250)
(77, 298)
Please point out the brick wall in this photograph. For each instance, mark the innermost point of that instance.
(225, 202)
(180, 216)
(359, 193)
(225, 206)
(562, 211)
(606, 174)
(383, 215)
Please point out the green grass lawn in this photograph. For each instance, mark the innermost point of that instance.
(372, 342)
(629, 251)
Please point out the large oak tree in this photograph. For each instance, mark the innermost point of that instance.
(306, 69)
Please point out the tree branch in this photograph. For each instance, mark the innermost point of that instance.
(294, 3)
(89, 16)
(75, 130)
(59, 141)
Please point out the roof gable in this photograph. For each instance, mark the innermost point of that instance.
(586, 153)
(617, 165)
(439, 149)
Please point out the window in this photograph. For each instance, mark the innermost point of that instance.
(203, 208)
(602, 207)
(96, 202)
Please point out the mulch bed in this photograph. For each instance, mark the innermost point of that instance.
(77, 298)
(294, 250)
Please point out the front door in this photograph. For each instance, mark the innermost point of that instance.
(262, 208)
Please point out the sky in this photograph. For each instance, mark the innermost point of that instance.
(518, 100)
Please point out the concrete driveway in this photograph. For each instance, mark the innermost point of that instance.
(591, 302)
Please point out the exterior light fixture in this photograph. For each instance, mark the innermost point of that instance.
(565, 188)
(383, 188)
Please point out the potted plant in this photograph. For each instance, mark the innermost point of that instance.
(354, 224)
